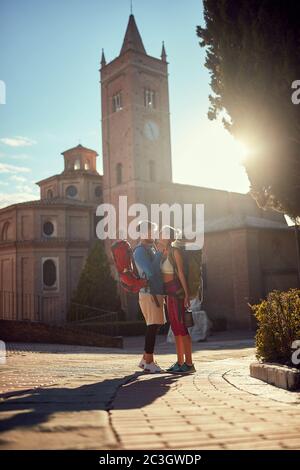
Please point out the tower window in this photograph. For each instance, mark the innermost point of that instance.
(71, 191)
(77, 165)
(87, 165)
(49, 274)
(152, 170)
(149, 98)
(49, 194)
(119, 173)
(117, 102)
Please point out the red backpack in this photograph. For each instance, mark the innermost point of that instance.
(129, 277)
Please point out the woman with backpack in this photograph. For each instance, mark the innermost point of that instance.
(176, 289)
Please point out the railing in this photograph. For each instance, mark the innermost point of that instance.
(51, 309)
(32, 307)
(85, 313)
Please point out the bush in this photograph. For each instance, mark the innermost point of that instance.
(278, 325)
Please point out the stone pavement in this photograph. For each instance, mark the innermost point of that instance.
(74, 397)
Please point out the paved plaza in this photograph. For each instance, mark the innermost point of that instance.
(74, 397)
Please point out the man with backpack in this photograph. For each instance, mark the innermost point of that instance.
(147, 260)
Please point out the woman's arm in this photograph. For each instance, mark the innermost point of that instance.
(180, 271)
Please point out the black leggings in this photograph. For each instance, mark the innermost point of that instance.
(150, 336)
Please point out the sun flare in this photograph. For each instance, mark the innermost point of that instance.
(212, 157)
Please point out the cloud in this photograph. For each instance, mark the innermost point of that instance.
(7, 168)
(18, 178)
(17, 141)
(17, 185)
(14, 198)
(22, 156)
(23, 185)
(25, 188)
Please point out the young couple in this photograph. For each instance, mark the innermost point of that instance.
(161, 264)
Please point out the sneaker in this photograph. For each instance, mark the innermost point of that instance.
(142, 363)
(186, 369)
(174, 368)
(152, 368)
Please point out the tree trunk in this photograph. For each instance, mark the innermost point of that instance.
(297, 234)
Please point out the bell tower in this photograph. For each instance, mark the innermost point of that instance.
(135, 122)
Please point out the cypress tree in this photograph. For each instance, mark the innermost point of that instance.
(253, 56)
(96, 286)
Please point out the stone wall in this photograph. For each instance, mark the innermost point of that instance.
(35, 332)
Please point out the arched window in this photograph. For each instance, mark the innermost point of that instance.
(49, 273)
(152, 170)
(4, 233)
(149, 98)
(49, 194)
(77, 165)
(98, 192)
(117, 102)
(48, 228)
(87, 165)
(119, 173)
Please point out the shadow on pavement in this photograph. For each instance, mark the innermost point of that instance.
(34, 407)
(140, 393)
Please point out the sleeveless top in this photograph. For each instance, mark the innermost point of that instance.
(167, 267)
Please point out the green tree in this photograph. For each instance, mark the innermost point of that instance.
(96, 286)
(253, 56)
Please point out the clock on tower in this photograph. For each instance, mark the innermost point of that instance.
(151, 130)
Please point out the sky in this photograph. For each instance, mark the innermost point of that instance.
(49, 61)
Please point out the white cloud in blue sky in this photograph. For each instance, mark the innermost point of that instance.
(17, 141)
(7, 168)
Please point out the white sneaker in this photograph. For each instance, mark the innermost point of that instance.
(152, 368)
(142, 363)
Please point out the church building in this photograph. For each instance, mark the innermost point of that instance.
(44, 244)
